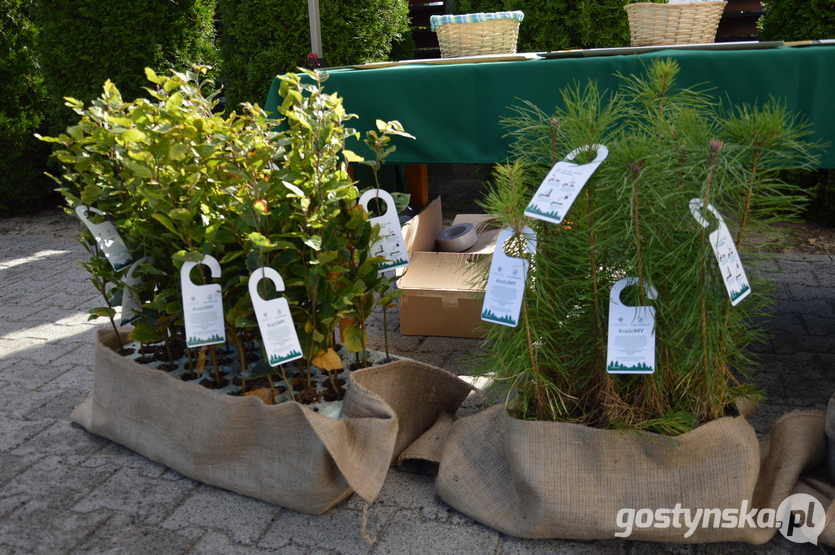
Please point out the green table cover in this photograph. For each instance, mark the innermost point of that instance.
(454, 110)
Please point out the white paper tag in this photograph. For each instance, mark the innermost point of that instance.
(724, 248)
(202, 306)
(107, 238)
(631, 345)
(131, 305)
(561, 186)
(390, 245)
(506, 282)
(277, 330)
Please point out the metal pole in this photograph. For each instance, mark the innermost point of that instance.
(315, 28)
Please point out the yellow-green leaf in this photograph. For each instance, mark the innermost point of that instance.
(180, 214)
(351, 156)
(133, 135)
(164, 220)
(355, 338)
(175, 101)
(103, 311)
(138, 169)
(151, 75)
(91, 194)
(177, 151)
(144, 333)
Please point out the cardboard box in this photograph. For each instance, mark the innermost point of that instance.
(440, 296)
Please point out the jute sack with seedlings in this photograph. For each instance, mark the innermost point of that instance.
(284, 454)
(181, 185)
(577, 442)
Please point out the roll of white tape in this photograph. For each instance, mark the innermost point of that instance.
(457, 238)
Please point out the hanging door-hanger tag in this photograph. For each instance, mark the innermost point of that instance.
(202, 306)
(631, 345)
(561, 186)
(722, 243)
(506, 282)
(107, 238)
(131, 304)
(278, 333)
(390, 245)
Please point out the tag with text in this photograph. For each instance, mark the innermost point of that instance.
(506, 282)
(722, 243)
(278, 333)
(202, 306)
(631, 344)
(560, 188)
(107, 238)
(390, 245)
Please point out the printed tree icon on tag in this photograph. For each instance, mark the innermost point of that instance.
(562, 185)
(202, 306)
(278, 333)
(506, 282)
(631, 342)
(107, 238)
(390, 245)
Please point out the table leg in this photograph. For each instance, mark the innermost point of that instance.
(417, 185)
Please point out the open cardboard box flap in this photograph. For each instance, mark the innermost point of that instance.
(441, 293)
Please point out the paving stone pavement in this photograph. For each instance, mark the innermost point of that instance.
(64, 490)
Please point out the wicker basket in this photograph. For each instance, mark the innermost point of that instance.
(494, 36)
(662, 24)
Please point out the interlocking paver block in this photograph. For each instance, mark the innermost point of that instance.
(63, 438)
(38, 527)
(149, 499)
(408, 533)
(338, 530)
(213, 543)
(14, 431)
(60, 484)
(245, 519)
(120, 534)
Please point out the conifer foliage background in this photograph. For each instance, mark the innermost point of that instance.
(632, 219)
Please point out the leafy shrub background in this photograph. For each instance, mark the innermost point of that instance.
(52, 49)
(22, 104)
(261, 39)
(797, 20)
(84, 43)
(561, 24)
(181, 182)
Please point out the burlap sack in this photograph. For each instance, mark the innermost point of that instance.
(284, 454)
(556, 480)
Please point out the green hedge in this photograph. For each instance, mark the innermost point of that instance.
(260, 38)
(797, 20)
(561, 24)
(85, 42)
(805, 20)
(22, 104)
